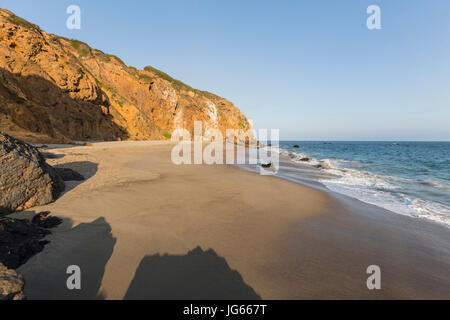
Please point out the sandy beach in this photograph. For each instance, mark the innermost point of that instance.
(141, 227)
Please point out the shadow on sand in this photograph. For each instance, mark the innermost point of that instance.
(75, 173)
(88, 245)
(198, 275)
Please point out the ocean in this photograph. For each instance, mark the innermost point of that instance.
(410, 178)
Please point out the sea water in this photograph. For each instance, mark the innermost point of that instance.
(410, 178)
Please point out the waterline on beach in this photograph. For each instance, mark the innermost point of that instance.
(409, 178)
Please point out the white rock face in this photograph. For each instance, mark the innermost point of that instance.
(178, 120)
(212, 113)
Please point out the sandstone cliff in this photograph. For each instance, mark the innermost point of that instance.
(56, 89)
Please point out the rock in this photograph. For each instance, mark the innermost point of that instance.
(304, 159)
(20, 240)
(26, 180)
(45, 220)
(68, 174)
(266, 165)
(87, 144)
(11, 284)
(296, 146)
(49, 155)
(55, 89)
(322, 166)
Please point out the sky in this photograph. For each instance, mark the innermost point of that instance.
(309, 68)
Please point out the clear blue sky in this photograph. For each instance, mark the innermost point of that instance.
(310, 68)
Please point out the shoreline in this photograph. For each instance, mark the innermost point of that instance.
(310, 176)
(138, 215)
(380, 173)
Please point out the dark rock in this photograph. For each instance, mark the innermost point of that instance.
(304, 159)
(322, 166)
(44, 220)
(266, 165)
(296, 146)
(49, 155)
(11, 284)
(20, 240)
(26, 180)
(68, 174)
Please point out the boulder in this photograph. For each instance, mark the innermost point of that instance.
(26, 180)
(11, 284)
(296, 146)
(20, 240)
(45, 220)
(266, 165)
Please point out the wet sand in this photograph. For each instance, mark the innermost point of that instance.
(141, 227)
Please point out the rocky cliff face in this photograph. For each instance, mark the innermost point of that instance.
(56, 89)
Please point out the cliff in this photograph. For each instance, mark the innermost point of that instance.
(54, 89)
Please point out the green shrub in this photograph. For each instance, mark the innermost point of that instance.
(108, 58)
(145, 78)
(177, 84)
(125, 132)
(22, 22)
(75, 44)
(167, 135)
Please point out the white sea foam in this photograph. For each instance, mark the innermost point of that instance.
(374, 189)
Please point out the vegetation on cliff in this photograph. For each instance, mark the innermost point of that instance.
(55, 89)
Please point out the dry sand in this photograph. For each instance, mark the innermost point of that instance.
(135, 225)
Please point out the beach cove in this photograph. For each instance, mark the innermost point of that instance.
(140, 227)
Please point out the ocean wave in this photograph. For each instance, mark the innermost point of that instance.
(380, 190)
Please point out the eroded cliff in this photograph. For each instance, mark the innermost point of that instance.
(54, 89)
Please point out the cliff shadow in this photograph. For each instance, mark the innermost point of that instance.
(87, 245)
(198, 275)
(39, 106)
(76, 173)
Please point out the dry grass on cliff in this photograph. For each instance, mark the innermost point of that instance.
(22, 22)
(177, 84)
